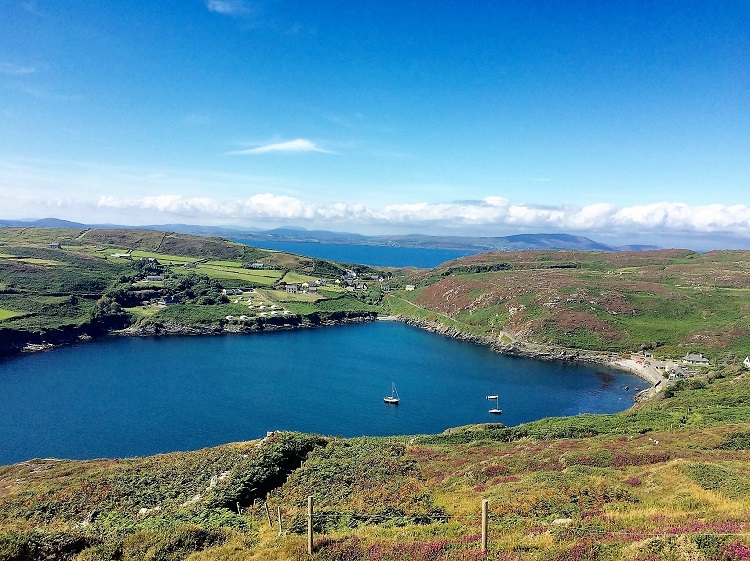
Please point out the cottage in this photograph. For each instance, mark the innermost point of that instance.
(409, 287)
(232, 291)
(746, 362)
(169, 300)
(678, 373)
(257, 265)
(292, 288)
(55, 246)
(695, 358)
(155, 278)
(190, 265)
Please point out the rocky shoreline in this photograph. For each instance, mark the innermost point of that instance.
(152, 330)
(16, 343)
(543, 352)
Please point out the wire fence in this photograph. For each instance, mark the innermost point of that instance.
(295, 519)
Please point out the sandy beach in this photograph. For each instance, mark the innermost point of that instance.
(648, 369)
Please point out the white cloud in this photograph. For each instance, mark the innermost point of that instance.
(91, 193)
(297, 145)
(229, 7)
(496, 212)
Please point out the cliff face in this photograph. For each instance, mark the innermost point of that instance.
(514, 348)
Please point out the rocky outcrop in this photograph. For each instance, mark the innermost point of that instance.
(441, 329)
(15, 341)
(514, 348)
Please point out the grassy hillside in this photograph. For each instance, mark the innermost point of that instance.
(670, 301)
(58, 285)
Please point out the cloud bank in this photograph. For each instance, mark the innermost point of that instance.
(657, 218)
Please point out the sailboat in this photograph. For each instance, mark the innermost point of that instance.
(393, 398)
(496, 410)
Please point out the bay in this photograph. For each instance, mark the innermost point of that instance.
(127, 396)
(373, 255)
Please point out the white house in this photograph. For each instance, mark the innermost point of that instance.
(746, 362)
(695, 358)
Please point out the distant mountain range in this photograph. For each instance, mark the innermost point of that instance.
(293, 234)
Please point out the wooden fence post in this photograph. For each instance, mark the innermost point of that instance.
(484, 524)
(309, 525)
(268, 515)
(278, 512)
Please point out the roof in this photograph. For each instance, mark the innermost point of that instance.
(695, 357)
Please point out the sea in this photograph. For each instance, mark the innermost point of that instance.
(130, 396)
(373, 255)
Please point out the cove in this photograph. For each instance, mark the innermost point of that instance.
(129, 396)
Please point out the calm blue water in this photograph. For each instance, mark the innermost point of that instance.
(374, 255)
(122, 397)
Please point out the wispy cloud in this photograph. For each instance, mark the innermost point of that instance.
(16, 69)
(297, 145)
(230, 7)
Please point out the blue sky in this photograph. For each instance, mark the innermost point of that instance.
(628, 122)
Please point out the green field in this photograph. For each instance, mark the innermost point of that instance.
(256, 277)
(6, 314)
(172, 259)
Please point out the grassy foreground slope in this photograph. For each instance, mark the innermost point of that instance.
(669, 480)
